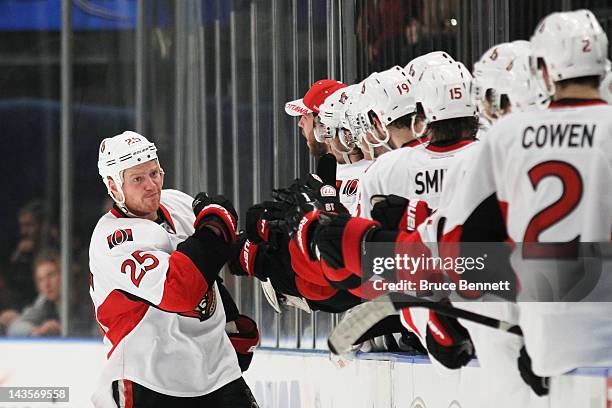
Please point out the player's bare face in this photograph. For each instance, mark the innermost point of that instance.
(306, 124)
(142, 186)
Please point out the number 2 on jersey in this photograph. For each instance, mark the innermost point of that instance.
(136, 273)
(555, 212)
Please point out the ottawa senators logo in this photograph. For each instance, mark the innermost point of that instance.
(350, 188)
(206, 308)
(119, 237)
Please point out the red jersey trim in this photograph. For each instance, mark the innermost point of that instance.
(121, 315)
(117, 213)
(416, 142)
(128, 394)
(571, 103)
(167, 216)
(450, 148)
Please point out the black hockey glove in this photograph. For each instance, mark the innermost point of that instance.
(448, 341)
(539, 385)
(215, 213)
(262, 222)
(398, 213)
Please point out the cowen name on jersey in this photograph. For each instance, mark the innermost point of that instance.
(429, 181)
(558, 135)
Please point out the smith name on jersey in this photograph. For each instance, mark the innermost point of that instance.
(144, 291)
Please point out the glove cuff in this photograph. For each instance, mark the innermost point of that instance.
(301, 235)
(245, 341)
(247, 257)
(218, 210)
(415, 213)
(352, 238)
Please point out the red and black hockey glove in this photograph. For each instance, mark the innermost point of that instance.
(262, 220)
(245, 340)
(448, 341)
(398, 213)
(339, 239)
(217, 214)
(241, 330)
(539, 385)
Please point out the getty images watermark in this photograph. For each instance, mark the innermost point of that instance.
(420, 264)
(507, 271)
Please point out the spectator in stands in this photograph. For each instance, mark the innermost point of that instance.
(41, 318)
(19, 274)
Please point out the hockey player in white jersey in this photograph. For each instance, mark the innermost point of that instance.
(450, 118)
(504, 83)
(543, 179)
(154, 265)
(394, 101)
(332, 125)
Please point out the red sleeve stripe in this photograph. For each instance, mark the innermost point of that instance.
(184, 285)
(128, 394)
(120, 315)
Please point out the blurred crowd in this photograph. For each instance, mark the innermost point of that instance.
(30, 280)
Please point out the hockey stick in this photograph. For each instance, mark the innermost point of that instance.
(364, 316)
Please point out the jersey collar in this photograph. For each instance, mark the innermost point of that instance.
(163, 212)
(447, 147)
(415, 142)
(573, 102)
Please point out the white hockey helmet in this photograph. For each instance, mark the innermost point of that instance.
(332, 121)
(395, 98)
(572, 44)
(119, 153)
(505, 69)
(415, 68)
(388, 94)
(444, 92)
(332, 114)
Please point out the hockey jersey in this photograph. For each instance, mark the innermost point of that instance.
(139, 289)
(543, 179)
(415, 173)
